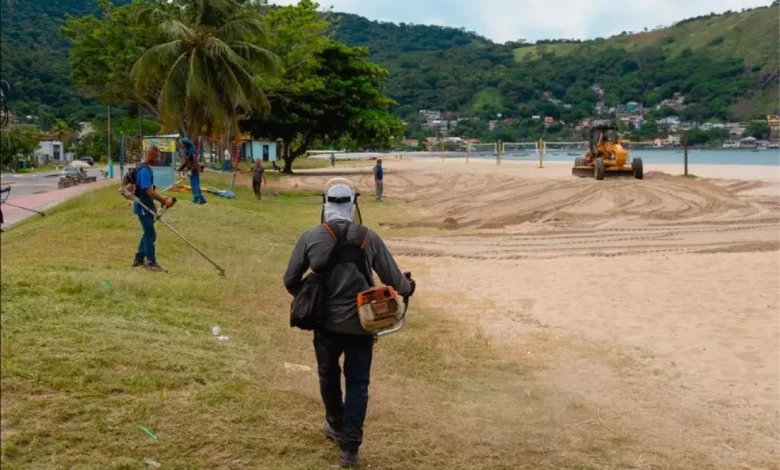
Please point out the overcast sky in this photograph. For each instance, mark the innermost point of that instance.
(509, 20)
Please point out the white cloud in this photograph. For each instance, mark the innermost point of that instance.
(506, 20)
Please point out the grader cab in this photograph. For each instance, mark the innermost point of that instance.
(606, 156)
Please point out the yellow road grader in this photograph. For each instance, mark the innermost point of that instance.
(606, 156)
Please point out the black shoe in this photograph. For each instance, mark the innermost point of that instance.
(331, 433)
(348, 458)
(137, 263)
(154, 267)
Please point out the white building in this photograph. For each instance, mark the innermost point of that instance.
(748, 142)
(51, 150)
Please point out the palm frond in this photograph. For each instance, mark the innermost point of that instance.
(151, 14)
(199, 86)
(263, 59)
(176, 29)
(235, 94)
(172, 95)
(149, 67)
(239, 27)
(215, 47)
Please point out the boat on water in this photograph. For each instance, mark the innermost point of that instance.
(573, 154)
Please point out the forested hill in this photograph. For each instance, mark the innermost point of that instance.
(725, 65)
(35, 58)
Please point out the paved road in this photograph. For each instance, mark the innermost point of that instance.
(39, 192)
(34, 183)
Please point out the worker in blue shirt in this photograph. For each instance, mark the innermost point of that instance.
(146, 194)
(191, 163)
(379, 175)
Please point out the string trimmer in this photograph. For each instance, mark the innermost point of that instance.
(5, 201)
(158, 217)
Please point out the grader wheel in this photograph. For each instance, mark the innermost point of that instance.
(638, 169)
(599, 170)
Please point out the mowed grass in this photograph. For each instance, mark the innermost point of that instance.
(93, 350)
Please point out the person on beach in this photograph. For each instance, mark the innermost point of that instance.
(379, 174)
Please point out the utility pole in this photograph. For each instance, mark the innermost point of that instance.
(110, 142)
(685, 151)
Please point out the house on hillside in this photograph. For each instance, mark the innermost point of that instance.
(736, 129)
(51, 150)
(430, 115)
(773, 121)
(748, 142)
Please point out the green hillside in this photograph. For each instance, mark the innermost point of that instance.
(725, 65)
(752, 35)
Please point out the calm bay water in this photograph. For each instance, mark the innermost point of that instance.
(770, 157)
(709, 157)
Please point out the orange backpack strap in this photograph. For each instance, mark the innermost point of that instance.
(331, 232)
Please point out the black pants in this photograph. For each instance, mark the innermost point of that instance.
(345, 415)
(256, 188)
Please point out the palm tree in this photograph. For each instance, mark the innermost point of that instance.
(203, 76)
(63, 130)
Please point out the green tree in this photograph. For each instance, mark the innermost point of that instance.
(653, 98)
(204, 70)
(17, 140)
(757, 129)
(326, 90)
(343, 96)
(103, 51)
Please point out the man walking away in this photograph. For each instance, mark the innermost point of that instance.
(340, 331)
(145, 192)
(379, 174)
(258, 178)
(332, 160)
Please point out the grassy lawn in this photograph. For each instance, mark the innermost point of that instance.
(41, 168)
(93, 350)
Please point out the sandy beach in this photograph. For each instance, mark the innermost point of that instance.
(655, 300)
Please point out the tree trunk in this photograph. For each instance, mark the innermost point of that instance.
(286, 156)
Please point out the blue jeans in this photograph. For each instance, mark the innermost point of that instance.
(348, 415)
(146, 247)
(197, 196)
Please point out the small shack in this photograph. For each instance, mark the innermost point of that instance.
(263, 150)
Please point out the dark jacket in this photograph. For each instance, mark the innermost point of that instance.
(344, 281)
